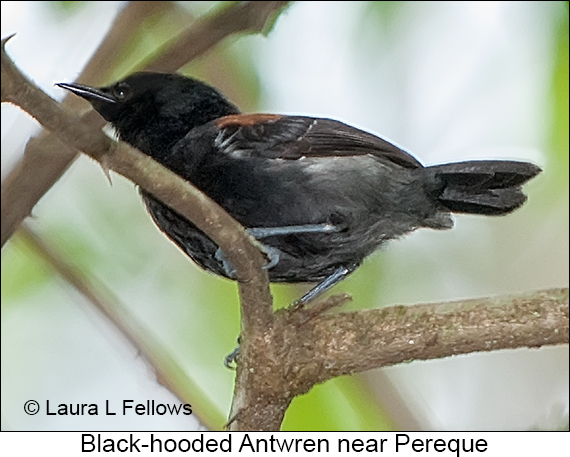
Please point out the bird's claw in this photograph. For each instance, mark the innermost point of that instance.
(226, 264)
(272, 255)
(230, 361)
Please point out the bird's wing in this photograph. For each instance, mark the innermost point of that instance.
(293, 137)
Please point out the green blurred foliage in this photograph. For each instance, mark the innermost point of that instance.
(65, 7)
(342, 403)
(560, 144)
(25, 273)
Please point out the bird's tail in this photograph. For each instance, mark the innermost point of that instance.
(491, 187)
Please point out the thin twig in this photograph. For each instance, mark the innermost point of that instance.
(241, 17)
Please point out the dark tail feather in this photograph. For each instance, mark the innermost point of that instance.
(491, 187)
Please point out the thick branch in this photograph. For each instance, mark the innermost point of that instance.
(299, 353)
(352, 342)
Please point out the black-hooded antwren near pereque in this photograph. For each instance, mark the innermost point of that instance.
(318, 194)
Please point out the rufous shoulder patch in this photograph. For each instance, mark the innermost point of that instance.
(246, 119)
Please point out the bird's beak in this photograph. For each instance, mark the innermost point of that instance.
(88, 93)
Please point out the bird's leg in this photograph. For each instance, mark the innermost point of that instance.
(230, 361)
(337, 276)
(264, 232)
(271, 253)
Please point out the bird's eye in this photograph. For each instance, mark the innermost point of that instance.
(122, 91)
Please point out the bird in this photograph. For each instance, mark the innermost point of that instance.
(319, 195)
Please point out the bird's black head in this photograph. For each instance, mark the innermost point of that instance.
(152, 111)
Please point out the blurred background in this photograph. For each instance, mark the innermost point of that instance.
(446, 80)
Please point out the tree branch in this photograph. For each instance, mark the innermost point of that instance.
(241, 17)
(299, 353)
(347, 343)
